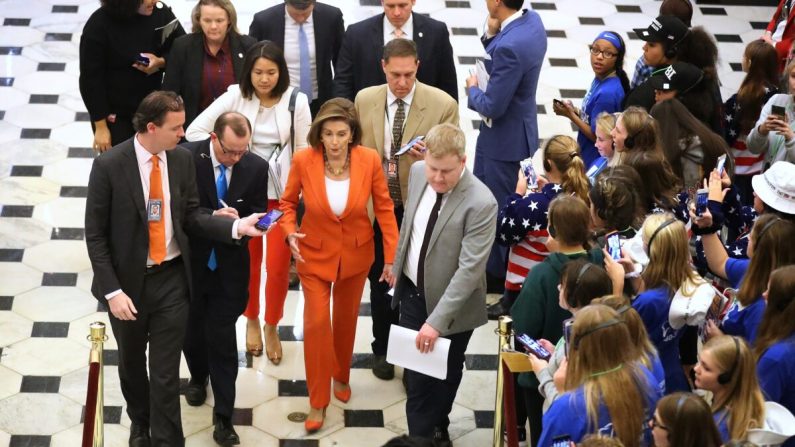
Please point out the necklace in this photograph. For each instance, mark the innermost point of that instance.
(337, 171)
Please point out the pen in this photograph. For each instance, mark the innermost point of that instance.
(223, 203)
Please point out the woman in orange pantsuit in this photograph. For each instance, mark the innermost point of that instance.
(334, 245)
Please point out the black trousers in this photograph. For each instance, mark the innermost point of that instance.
(430, 400)
(380, 302)
(211, 341)
(153, 398)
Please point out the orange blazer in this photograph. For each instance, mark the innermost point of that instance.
(338, 247)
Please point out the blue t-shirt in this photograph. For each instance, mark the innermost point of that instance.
(741, 321)
(568, 415)
(605, 95)
(722, 421)
(776, 372)
(653, 306)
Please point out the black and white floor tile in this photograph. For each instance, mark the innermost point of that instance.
(45, 275)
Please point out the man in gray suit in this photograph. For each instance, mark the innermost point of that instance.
(446, 236)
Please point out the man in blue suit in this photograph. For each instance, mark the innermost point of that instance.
(515, 45)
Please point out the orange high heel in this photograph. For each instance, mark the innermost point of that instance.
(343, 395)
(313, 425)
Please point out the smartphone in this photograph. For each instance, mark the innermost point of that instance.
(779, 110)
(529, 173)
(268, 219)
(561, 441)
(533, 346)
(567, 325)
(559, 102)
(614, 245)
(701, 201)
(721, 164)
(141, 59)
(409, 145)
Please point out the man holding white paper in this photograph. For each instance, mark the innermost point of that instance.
(440, 268)
(392, 115)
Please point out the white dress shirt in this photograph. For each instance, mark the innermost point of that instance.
(407, 28)
(217, 169)
(391, 109)
(337, 193)
(421, 217)
(292, 52)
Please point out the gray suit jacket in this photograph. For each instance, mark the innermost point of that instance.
(455, 264)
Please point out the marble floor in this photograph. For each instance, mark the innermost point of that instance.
(45, 159)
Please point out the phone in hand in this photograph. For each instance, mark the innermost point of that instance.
(701, 201)
(721, 164)
(559, 102)
(532, 346)
(561, 441)
(409, 145)
(270, 218)
(614, 245)
(779, 110)
(142, 60)
(567, 325)
(529, 173)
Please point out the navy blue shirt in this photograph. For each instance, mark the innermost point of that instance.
(742, 321)
(605, 95)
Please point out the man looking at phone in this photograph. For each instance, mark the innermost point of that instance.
(516, 43)
(226, 172)
(392, 115)
(141, 204)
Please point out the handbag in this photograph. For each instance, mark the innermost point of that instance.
(280, 159)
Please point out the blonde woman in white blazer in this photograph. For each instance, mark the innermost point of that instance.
(263, 96)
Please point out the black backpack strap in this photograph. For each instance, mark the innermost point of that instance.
(291, 108)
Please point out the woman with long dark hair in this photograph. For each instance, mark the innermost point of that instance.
(606, 93)
(742, 109)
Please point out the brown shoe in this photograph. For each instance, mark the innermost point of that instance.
(253, 338)
(273, 345)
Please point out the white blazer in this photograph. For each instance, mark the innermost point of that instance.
(233, 101)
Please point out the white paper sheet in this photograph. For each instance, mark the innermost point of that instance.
(402, 351)
(483, 83)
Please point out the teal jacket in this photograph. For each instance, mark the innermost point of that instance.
(536, 311)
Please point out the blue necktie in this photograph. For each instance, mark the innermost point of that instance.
(305, 74)
(220, 189)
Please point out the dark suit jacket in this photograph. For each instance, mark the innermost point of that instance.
(359, 64)
(247, 193)
(329, 29)
(184, 68)
(117, 233)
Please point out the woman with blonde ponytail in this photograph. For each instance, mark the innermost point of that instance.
(607, 391)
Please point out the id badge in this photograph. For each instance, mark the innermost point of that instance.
(154, 210)
(392, 168)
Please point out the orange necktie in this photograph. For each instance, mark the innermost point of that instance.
(157, 228)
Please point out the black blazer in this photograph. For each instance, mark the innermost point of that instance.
(329, 30)
(359, 64)
(184, 68)
(247, 193)
(117, 233)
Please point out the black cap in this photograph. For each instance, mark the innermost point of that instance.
(679, 76)
(666, 29)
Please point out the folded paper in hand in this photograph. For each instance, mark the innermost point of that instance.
(402, 351)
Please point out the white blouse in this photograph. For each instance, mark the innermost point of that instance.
(337, 193)
(265, 138)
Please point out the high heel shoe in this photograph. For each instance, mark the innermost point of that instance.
(273, 345)
(343, 395)
(313, 425)
(253, 338)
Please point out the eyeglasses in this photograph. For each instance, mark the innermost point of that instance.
(653, 423)
(606, 54)
(232, 153)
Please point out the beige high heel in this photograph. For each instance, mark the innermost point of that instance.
(253, 338)
(273, 345)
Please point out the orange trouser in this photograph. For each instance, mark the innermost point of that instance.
(277, 267)
(329, 334)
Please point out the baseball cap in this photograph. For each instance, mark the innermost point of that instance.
(666, 29)
(679, 76)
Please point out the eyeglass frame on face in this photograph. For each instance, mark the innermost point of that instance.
(653, 423)
(605, 54)
(231, 153)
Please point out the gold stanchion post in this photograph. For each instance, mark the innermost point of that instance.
(97, 338)
(504, 330)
